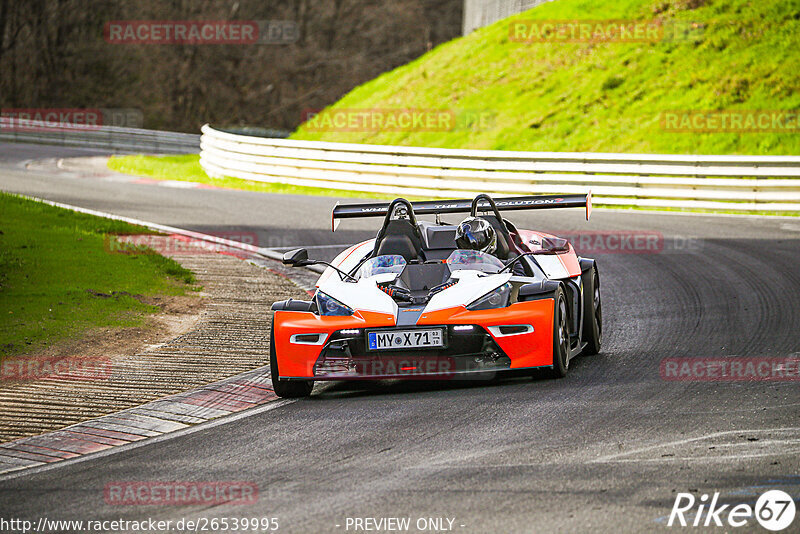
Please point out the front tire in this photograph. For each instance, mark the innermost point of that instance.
(288, 389)
(593, 313)
(560, 336)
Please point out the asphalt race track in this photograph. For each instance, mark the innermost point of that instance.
(605, 449)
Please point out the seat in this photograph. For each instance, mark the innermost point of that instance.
(400, 238)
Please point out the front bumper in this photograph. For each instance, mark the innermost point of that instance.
(339, 350)
(469, 348)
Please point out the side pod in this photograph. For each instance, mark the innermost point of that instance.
(538, 290)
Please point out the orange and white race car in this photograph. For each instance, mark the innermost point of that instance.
(416, 302)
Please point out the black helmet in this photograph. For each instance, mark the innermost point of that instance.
(476, 233)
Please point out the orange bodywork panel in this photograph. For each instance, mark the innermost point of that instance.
(298, 360)
(525, 350)
(534, 349)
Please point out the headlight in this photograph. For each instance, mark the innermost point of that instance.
(328, 305)
(499, 298)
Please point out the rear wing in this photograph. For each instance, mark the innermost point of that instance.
(430, 207)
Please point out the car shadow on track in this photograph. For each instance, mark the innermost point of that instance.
(367, 388)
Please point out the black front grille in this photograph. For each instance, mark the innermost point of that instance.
(346, 355)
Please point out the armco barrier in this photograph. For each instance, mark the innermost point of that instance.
(765, 183)
(111, 138)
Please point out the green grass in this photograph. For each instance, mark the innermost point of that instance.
(184, 168)
(57, 278)
(600, 97)
(187, 168)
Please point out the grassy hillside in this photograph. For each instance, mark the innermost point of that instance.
(602, 96)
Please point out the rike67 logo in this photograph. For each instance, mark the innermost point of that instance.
(774, 510)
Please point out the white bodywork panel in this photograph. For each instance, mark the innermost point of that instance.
(361, 295)
(552, 266)
(348, 259)
(472, 285)
(365, 294)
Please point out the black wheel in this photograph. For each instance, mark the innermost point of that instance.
(285, 388)
(560, 336)
(593, 320)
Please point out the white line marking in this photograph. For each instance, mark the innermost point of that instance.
(618, 457)
(309, 247)
(267, 253)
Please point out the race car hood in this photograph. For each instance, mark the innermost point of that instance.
(365, 295)
(471, 286)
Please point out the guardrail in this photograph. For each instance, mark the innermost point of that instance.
(764, 183)
(113, 138)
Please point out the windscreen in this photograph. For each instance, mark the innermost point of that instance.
(474, 260)
(380, 265)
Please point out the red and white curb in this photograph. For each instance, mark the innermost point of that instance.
(163, 416)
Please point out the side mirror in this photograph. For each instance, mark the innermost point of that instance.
(296, 258)
(553, 245)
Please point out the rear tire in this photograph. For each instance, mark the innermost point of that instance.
(560, 335)
(288, 389)
(593, 318)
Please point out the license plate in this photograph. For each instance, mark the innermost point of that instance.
(405, 339)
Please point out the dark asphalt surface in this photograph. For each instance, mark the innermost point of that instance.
(605, 449)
